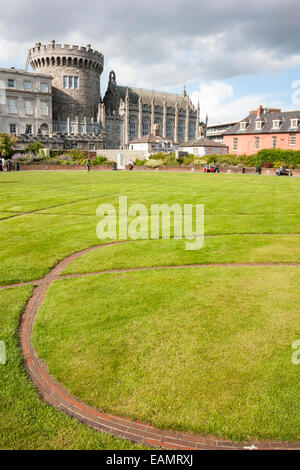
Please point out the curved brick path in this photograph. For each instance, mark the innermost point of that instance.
(56, 395)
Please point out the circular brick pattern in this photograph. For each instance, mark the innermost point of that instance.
(56, 395)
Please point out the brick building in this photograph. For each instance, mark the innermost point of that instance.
(264, 128)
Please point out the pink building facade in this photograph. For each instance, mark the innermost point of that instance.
(264, 128)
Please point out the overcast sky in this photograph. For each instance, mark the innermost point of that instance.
(233, 55)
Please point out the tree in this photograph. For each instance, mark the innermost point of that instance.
(7, 143)
(34, 147)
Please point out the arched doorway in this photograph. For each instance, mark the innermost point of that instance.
(44, 129)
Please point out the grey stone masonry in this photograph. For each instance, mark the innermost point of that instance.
(76, 75)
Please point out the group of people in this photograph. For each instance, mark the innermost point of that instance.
(5, 166)
(211, 169)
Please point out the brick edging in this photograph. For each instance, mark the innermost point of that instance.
(58, 396)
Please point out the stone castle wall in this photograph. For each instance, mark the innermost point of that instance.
(83, 63)
(127, 154)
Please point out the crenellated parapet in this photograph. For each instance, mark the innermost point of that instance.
(66, 55)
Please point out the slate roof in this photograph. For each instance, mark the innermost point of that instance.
(149, 139)
(202, 142)
(158, 96)
(267, 126)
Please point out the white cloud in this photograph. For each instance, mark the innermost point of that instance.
(161, 44)
(218, 100)
(166, 44)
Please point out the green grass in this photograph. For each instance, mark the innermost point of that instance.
(25, 421)
(67, 202)
(223, 249)
(203, 350)
(61, 219)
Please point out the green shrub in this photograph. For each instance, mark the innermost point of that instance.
(289, 158)
(188, 160)
(99, 160)
(34, 147)
(139, 162)
(168, 159)
(154, 163)
(76, 155)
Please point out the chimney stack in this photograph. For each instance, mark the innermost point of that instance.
(260, 111)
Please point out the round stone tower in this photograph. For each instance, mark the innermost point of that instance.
(76, 75)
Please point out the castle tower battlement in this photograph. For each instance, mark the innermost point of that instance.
(89, 56)
(76, 75)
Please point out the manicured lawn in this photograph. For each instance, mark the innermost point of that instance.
(207, 350)
(204, 350)
(223, 249)
(67, 202)
(25, 421)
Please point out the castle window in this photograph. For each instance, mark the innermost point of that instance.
(44, 87)
(11, 83)
(170, 129)
(132, 125)
(45, 108)
(274, 139)
(12, 129)
(145, 126)
(258, 125)
(119, 128)
(292, 139)
(256, 143)
(12, 106)
(191, 131)
(29, 107)
(180, 131)
(71, 82)
(28, 129)
(109, 127)
(235, 143)
(27, 86)
(243, 126)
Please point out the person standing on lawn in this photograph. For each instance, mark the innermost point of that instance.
(88, 164)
